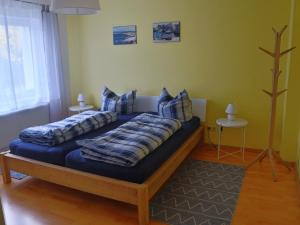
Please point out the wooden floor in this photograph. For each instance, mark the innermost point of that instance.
(262, 202)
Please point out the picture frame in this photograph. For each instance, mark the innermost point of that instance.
(125, 35)
(166, 32)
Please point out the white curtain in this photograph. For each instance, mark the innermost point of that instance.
(31, 68)
(58, 81)
(23, 72)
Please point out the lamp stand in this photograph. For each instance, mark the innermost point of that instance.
(276, 72)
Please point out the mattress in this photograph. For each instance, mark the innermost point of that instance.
(56, 154)
(145, 168)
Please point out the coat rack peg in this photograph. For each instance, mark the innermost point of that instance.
(287, 51)
(281, 92)
(279, 73)
(274, 30)
(267, 92)
(269, 151)
(283, 29)
(267, 52)
(275, 73)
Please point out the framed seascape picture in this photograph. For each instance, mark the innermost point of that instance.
(124, 35)
(166, 32)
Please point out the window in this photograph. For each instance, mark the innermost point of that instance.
(23, 74)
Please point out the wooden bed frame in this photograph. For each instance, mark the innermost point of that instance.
(128, 192)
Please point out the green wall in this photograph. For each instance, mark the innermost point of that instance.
(217, 58)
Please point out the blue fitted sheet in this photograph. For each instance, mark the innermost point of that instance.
(56, 154)
(145, 168)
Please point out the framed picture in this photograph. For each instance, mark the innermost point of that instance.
(166, 32)
(124, 35)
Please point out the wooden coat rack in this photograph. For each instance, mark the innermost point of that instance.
(274, 94)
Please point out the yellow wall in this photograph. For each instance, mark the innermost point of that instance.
(74, 56)
(298, 155)
(217, 58)
(291, 128)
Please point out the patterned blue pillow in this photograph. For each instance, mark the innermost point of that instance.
(164, 96)
(179, 107)
(121, 104)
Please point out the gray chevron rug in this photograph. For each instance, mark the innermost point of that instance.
(15, 175)
(199, 193)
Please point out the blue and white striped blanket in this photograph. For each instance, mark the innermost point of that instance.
(59, 132)
(131, 142)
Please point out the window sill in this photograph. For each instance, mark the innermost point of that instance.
(24, 110)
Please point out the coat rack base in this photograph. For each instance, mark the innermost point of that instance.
(271, 154)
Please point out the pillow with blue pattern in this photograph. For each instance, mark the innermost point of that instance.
(114, 103)
(179, 107)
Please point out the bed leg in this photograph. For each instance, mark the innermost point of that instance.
(143, 205)
(5, 170)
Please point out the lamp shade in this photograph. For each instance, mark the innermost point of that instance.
(75, 7)
(230, 109)
(81, 98)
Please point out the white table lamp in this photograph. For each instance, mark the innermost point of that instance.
(75, 7)
(81, 100)
(230, 110)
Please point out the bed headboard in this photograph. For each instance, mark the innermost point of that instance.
(149, 104)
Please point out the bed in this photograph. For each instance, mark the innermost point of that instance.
(56, 154)
(137, 192)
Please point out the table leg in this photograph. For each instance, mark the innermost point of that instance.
(244, 142)
(219, 140)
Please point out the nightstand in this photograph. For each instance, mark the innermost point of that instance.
(79, 109)
(236, 123)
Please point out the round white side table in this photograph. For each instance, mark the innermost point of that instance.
(79, 109)
(236, 123)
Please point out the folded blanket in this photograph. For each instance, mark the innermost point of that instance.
(131, 142)
(64, 130)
